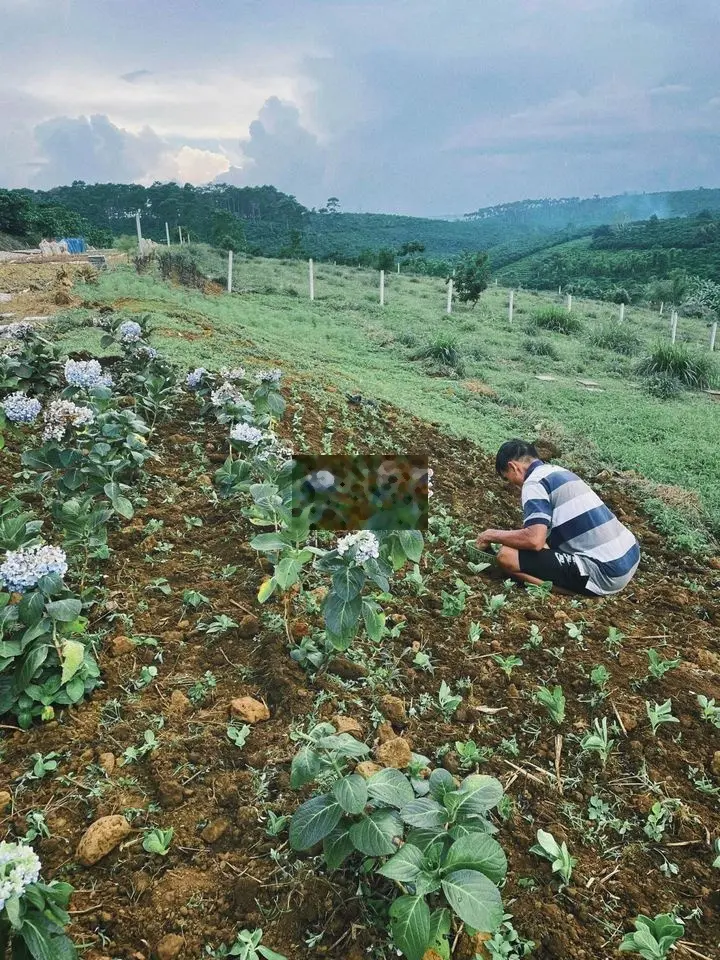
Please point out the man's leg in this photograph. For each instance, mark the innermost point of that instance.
(508, 560)
(565, 577)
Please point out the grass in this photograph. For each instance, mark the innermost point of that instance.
(615, 336)
(558, 319)
(340, 339)
(691, 369)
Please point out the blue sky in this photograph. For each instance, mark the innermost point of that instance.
(404, 106)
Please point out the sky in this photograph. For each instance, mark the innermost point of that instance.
(401, 106)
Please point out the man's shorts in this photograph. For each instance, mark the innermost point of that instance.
(561, 568)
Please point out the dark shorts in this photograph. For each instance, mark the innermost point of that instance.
(556, 566)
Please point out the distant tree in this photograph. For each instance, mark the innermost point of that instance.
(332, 205)
(228, 232)
(471, 277)
(385, 259)
(603, 231)
(413, 246)
(15, 210)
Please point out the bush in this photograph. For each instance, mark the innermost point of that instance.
(537, 347)
(616, 337)
(663, 386)
(694, 371)
(557, 319)
(444, 350)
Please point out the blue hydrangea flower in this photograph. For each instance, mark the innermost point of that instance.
(365, 543)
(195, 378)
(150, 352)
(24, 567)
(19, 408)
(228, 393)
(19, 867)
(86, 374)
(268, 376)
(244, 433)
(130, 332)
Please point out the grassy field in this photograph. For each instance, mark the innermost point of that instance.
(345, 338)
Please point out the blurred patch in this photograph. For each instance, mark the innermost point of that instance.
(362, 492)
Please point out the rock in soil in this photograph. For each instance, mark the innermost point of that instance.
(249, 710)
(179, 704)
(101, 838)
(347, 725)
(121, 646)
(249, 626)
(347, 669)
(394, 753)
(715, 764)
(169, 947)
(367, 769)
(106, 761)
(5, 799)
(215, 829)
(393, 708)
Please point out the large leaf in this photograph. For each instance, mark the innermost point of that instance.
(313, 821)
(374, 620)
(476, 796)
(29, 667)
(405, 866)
(351, 793)
(306, 765)
(73, 653)
(338, 846)
(64, 610)
(270, 542)
(375, 834)
(31, 607)
(344, 743)
(341, 616)
(424, 813)
(441, 782)
(287, 572)
(267, 588)
(412, 543)
(410, 926)
(477, 852)
(348, 582)
(475, 899)
(391, 788)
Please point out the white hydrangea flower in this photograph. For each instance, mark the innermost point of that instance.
(365, 542)
(430, 475)
(244, 433)
(19, 408)
(23, 568)
(62, 414)
(86, 374)
(150, 352)
(130, 331)
(19, 867)
(237, 373)
(195, 377)
(227, 393)
(20, 330)
(268, 376)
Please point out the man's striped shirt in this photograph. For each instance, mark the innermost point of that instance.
(580, 523)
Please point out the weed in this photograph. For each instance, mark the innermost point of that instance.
(558, 854)
(557, 319)
(553, 701)
(653, 939)
(659, 713)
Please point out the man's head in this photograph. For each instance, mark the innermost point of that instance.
(512, 460)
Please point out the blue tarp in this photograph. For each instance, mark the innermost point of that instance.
(75, 244)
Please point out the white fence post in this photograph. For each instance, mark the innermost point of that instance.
(311, 271)
(139, 230)
(674, 326)
(230, 265)
(622, 312)
(167, 233)
(662, 307)
(569, 302)
(180, 234)
(382, 288)
(450, 295)
(511, 305)
(398, 266)
(713, 335)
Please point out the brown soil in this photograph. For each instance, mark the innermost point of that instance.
(219, 875)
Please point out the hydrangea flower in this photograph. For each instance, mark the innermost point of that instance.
(226, 393)
(24, 567)
(430, 474)
(86, 374)
(130, 332)
(62, 414)
(237, 373)
(268, 376)
(244, 433)
(19, 408)
(150, 352)
(195, 377)
(16, 331)
(365, 542)
(19, 867)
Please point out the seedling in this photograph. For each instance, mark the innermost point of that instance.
(132, 754)
(202, 687)
(599, 741)
(471, 755)
(660, 818)
(158, 841)
(218, 625)
(553, 701)
(495, 603)
(558, 854)
(147, 675)
(475, 632)
(653, 939)
(447, 700)
(238, 735)
(454, 603)
(507, 664)
(507, 944)
(422, 661)
(161, 585)
(325, 753)
(539, 591)
(575, 632)
(247, 946)
(659, 713)
(37, 826)
(657, 667)
(415, 581)
(534, 641)
(614, 639)
(600, 677)
(275, 824)
(708, 710)
(42, 765)
(191, 598)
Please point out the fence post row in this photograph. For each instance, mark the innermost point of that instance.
(167, 233)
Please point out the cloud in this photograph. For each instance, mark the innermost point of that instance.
(135, 75)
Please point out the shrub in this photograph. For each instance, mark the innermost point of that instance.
(616, 337)
(557, 319)
(693, 371)
(538, 347)
(444, 349)
(663, 386)
(407, 338)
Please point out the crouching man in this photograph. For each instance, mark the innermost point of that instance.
(569, 536)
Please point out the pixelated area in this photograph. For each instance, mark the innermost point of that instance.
(362, 492)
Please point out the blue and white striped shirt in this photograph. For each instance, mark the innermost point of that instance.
(581, 524)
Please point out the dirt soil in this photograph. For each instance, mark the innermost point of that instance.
(224, 871)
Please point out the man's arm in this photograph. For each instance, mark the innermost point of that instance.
(532, 537)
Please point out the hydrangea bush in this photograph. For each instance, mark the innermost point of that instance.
(21, 330)
(62, 416)
(30, 365)
(33, 914)
(130, 332)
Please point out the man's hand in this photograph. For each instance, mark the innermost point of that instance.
(485, 539)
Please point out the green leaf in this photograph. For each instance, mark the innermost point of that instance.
(476, 796)
(29, 667)
(35, 939)
(124, 507)
(477, 852)
(475, 899)
(31, 607)
(270, 954)
(391, 788)
(405, 866)
(374, 620)
(375, 834)
(267, 588)
(270, 542)
(338, 846)
(341, 616)
(412, 543)
(75, 689)
(12, 909)
(348, 582)
(424, 813)
(64, 610)
(313, 821)
(410, 926)
(73, 653)
(351, 793)
(441, 782)
(287, 572)
(306, 765)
